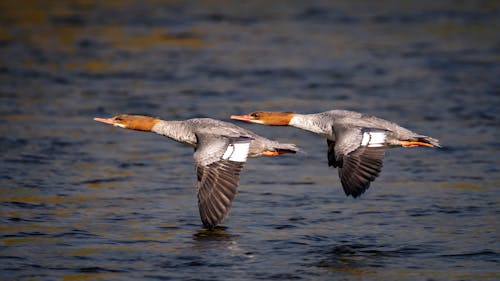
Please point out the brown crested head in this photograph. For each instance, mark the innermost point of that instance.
(132, 122)
(274, 118)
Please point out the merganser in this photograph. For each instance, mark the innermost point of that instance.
(221, 150)
(356, 141)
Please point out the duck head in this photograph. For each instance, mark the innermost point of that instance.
(274, 118)
(132, 122)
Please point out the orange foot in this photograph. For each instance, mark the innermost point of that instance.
(270, 153)
(414, 143)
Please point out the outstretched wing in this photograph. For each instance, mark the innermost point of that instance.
(218, 163)
(359, 169)
(359, 154)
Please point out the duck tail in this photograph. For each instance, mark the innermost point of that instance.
(425, 139)
(284, 148)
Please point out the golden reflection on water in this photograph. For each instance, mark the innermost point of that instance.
(34, 199)
(16, 241)
(90, 276)
(35, 24)
(465, 186)
(30, 227)
(387, 273)
(357, 272)
(138, 38)
(90, 65)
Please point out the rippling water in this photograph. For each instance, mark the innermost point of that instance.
(83, 201)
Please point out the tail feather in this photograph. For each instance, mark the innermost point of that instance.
(287, 148)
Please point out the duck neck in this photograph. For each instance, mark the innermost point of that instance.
(177, 130)
(311, 123)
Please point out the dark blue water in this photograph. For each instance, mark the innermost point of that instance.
(84, 201)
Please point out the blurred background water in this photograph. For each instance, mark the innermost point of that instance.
(83, 201)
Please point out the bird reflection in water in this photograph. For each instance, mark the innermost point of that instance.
(219, 239)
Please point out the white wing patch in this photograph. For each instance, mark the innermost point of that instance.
(373, 139)
(237, 152)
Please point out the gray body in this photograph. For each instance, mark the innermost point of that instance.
(325, 124)
(186, 132)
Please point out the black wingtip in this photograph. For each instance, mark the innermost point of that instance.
(210, 223)
(355, 192)
(209, 226)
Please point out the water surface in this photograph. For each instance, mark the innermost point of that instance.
(83, 201)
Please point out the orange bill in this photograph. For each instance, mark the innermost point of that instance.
(105, 120)
(245, 118)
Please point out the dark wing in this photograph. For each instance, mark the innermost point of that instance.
(331, 154)
(359, 168)
(358, 152)
(218, 163)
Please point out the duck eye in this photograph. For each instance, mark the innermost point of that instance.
(255, 114)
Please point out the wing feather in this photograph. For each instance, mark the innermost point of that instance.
(216, 191)
(360, 168)
(358, 153)
(218, 163)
